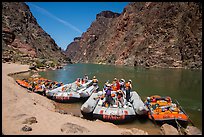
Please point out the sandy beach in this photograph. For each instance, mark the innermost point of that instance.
(18, 105)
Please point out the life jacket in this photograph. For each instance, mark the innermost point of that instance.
(78, 83)
(95, 80)
(82, 81)
(120, 95)
(154, 100)
(118, 85)
(127, 85)
(114, 88)
(63, 89)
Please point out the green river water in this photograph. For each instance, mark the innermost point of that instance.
(181, 84)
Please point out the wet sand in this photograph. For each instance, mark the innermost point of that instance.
(18, 104)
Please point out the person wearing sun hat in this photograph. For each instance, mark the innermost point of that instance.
(108, 97)
(120, 100)
(115, 85)
(95, 81)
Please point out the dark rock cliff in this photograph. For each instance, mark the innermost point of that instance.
(148, 34)
(23, 40)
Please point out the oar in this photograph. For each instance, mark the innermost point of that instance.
(184, 112)
(180, 127)
(151, 115)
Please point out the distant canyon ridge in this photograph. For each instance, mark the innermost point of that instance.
(146, 34)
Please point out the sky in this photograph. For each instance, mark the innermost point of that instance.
(64, 21)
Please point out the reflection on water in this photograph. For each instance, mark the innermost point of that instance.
(181, 84)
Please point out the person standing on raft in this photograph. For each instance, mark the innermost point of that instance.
(128, 88)
(95, 82)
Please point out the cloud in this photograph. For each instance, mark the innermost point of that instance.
(45, 12)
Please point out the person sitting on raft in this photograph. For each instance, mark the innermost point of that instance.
(120, 100)
(82, 81)
(95, 81)
(59, 84)
(108, 98)
(115, 85)
(100, 97)
(86, 78)
(78, 82)
(43, 89)
(105, 87)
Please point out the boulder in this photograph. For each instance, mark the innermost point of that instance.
(30, 120)
(126, 133)
(59, 67)
(73, 128)
(26, 128)
(136, 131)
(32, 67)
(167, 129)
(191, 130)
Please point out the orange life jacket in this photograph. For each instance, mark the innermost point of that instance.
(114, 88)
(127, 85)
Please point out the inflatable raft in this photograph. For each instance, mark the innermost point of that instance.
(163, 110)
(94, 108)
(71, 92)
(24, 83)
(27, 83)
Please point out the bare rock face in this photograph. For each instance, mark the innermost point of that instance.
(191, 130)
(85, 49)
(23, 39)
(167, 129)
(148, 34)
(107, 14)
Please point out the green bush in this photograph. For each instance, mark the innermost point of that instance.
(39, 64)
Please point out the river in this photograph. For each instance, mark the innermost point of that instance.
(182, 84)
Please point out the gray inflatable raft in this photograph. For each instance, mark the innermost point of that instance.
(70, 92)
(93, 108)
